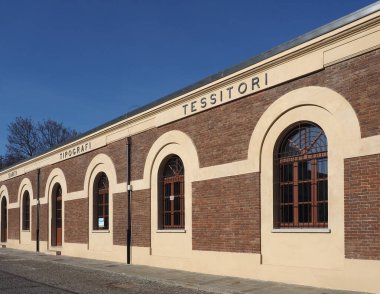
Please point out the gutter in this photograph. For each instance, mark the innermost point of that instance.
(38, 212)
(129, 199)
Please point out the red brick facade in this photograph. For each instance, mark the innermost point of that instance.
(226, 214)
(76, 216)
(362, 207)
(120, 218)
(44, 212)
(141, 218)
(14, 223)
(226, 211)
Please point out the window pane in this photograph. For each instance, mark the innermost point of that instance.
(304, 192)
(286, 214)
(304, 170)
(322, 191)
(177, 203)
(106, 223)
(167, 189)
(287, 194)
(167, 219)
(177, 190)
(100, 211)
(304, 213)
(322, 168)
(177, 218)
(167, 204)
(286, 173)
(322, 213)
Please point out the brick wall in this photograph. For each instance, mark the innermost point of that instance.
(120, 218)
(75, 168)
(43, 222)
(14, 223)
(222, 134)
(141, 218)
(226, 214)
(13, 185)
(362, 207)
(76, 221)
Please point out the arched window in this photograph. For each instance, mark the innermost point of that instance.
(4, 220)
(26, 211)
(172, 213)
(56, 227)
(101, 198)
(301, 194)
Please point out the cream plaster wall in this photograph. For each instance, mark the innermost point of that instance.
(171, 243)
(56, 176)
(4, 193)
(320, 250)
(100, 241)
(25, 235)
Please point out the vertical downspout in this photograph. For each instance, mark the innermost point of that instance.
(129, 190)
(38, 212)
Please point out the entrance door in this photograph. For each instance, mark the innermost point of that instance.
(56, 227)
(4, 225)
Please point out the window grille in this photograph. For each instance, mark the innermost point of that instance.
(26, 211)
(101, 203)
(173, 212)
(301, 188)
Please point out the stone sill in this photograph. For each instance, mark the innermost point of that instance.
(301, 230)
(171, 231)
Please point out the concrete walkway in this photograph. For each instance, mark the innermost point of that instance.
(211, 283)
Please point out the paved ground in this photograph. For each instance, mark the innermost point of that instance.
(28, 272)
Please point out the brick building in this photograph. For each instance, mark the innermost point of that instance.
(268, 170)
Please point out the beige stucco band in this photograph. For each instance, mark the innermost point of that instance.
(56, 177)
(176, 138)
(100, 241)
(25, 235)
(174, 244)
(309, 252)
(317, 97)
(4, 193)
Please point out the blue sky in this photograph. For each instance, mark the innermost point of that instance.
(85, 62)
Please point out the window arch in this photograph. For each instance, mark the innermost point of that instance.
(26, 211)
(301, 194)
(101, 202)
(172, 200)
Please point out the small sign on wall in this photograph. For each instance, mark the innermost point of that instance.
(101, 222)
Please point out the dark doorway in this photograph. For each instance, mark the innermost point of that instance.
(4, 225)
(56, 220)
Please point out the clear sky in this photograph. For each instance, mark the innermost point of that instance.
(85, 62)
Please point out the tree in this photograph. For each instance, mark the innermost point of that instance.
(27, 138)
(53, 133)
(23, 139)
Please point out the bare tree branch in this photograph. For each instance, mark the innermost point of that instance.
(26, 139)
(23, 140)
